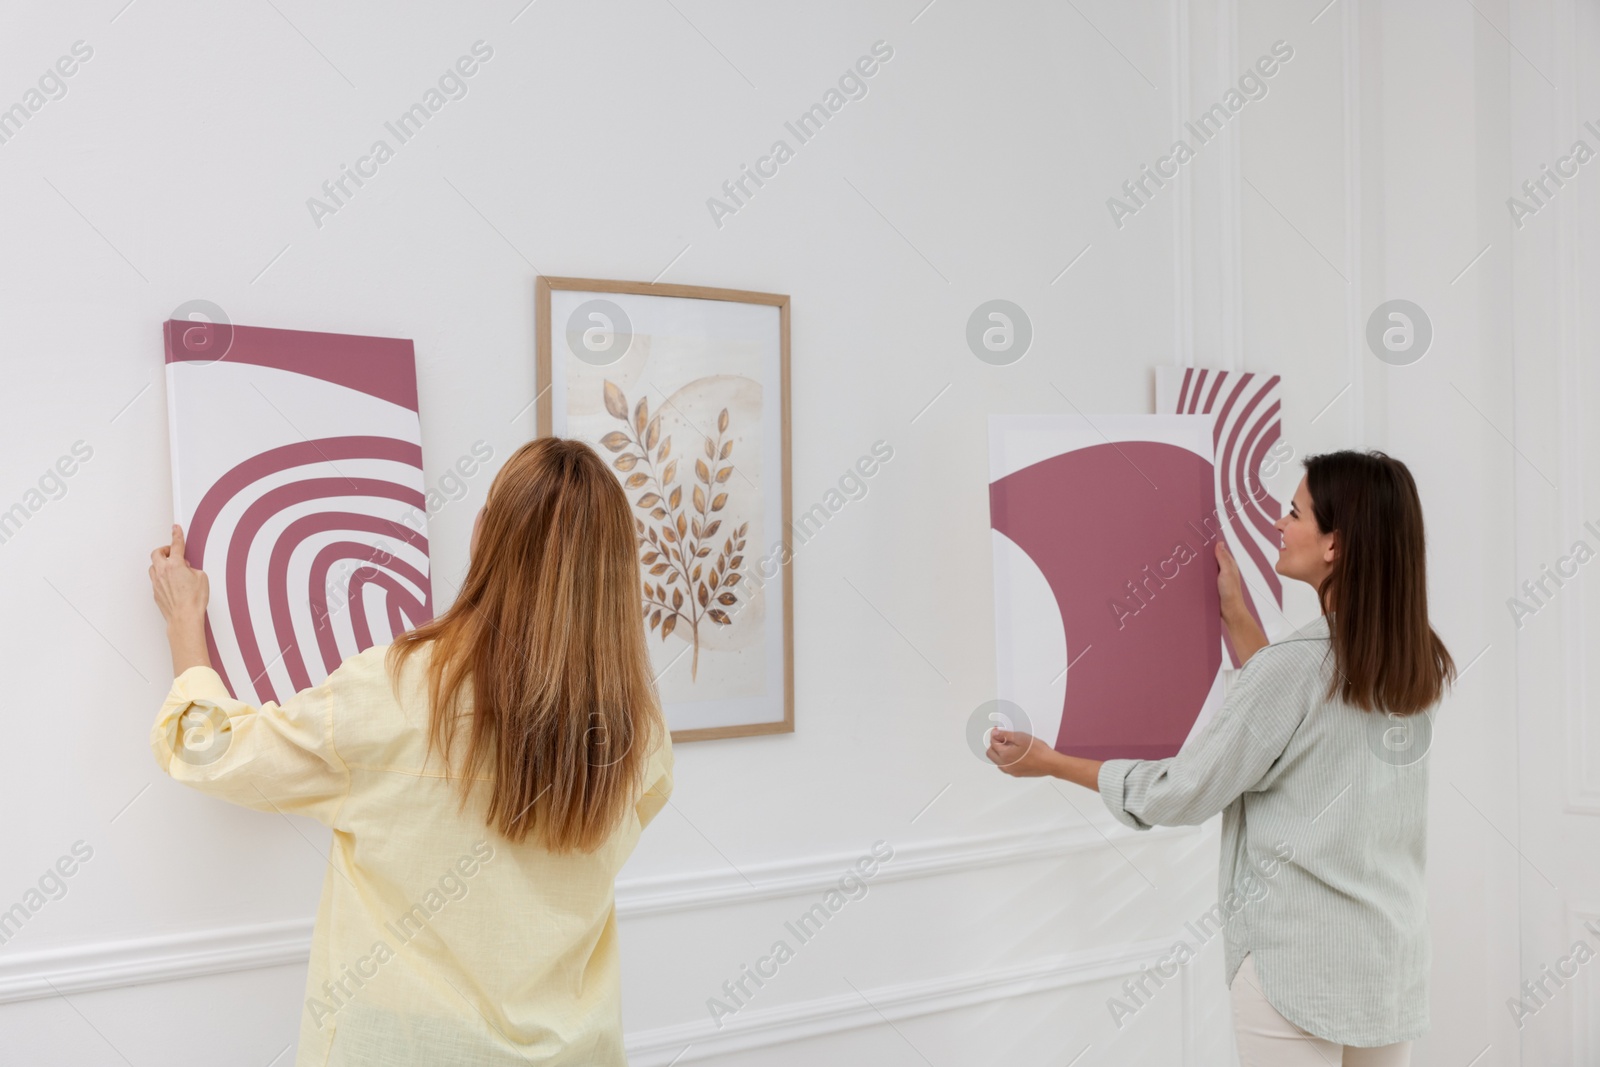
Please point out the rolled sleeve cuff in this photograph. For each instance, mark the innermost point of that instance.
(1112, 784)
(197, 685)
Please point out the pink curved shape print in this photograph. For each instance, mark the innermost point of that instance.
(322, 615)
(349, 361)
(244, 481)
(1235, 489)
(400, 604)
(1140, 617)
(278, 594)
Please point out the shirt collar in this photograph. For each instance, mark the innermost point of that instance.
(1317, 627)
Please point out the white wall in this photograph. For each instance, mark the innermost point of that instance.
(178, 166)
(1557, 483)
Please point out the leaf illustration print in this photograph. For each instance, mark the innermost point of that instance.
(675, 536)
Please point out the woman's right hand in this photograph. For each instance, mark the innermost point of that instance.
(1230, 587)
(1020, 754)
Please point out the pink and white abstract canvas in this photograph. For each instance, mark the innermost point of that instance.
(297, 476)
(1106, 610)
(1105, 533)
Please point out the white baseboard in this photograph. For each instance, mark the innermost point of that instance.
(170, 957)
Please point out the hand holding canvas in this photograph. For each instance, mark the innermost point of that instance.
(1244, 633)
(1022, 755)
(1019, 754)
(181, 592)
(1229, 585)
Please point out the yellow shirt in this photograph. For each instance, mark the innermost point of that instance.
(437, 941)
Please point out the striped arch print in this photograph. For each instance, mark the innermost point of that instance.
(301, 454)
(1248, 421)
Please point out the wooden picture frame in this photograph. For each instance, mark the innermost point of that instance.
(710, 367)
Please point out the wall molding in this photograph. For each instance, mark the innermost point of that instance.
(765, 1027)
(191, 954)
(1183, 213)
(659, 894)
(1350, 59)
(1230, 225)
(163, 958)
(1208, 298)
(1585, 1017)
(1582, 790)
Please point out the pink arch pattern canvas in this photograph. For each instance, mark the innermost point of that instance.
(298, 478)
(1247, 426)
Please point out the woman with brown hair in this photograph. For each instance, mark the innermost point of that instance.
(1316, 762)
(485, 777)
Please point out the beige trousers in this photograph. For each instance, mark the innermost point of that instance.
(1267, 1039)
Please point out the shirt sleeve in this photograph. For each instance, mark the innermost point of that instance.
(271, 758)
(1230, 754)
(660, 787)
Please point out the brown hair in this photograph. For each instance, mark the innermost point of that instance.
(545, 647)
(1386, 652)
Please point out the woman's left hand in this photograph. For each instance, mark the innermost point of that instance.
(181, 592)
(1021, 755)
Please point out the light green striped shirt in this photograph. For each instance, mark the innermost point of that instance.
(1339, 930)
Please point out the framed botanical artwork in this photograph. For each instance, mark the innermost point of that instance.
(685, 392)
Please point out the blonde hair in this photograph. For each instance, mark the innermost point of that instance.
(545, 647)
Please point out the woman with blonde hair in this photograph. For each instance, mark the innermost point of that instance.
(485, 777)
(1316, 761)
